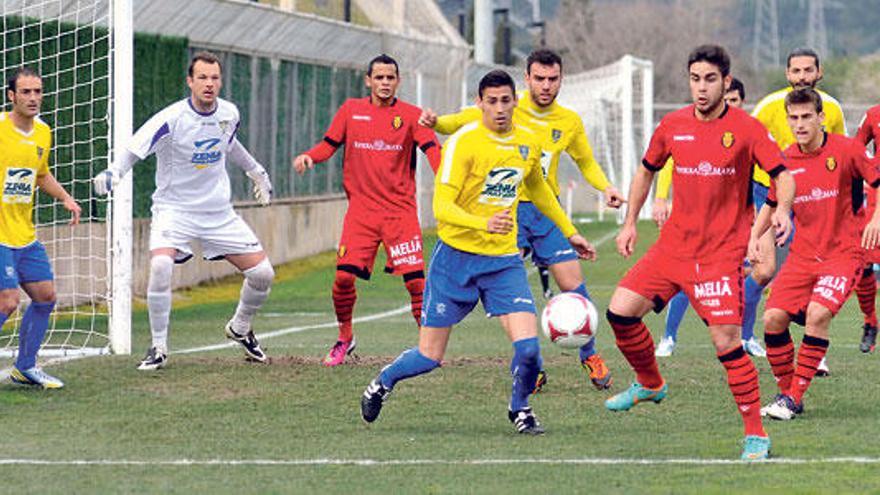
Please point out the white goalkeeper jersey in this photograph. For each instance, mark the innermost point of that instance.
(191, 149)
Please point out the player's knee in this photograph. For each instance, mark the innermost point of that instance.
(344, 279)
(9, 300)
(775, 321)
(528, 351)
(763, 272)
(260, 276)
(414, 281)
(161, 268)
(818, 315)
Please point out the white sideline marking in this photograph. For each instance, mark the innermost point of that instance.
(432, 462)
(285, 331)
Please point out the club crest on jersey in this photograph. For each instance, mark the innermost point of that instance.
(524, 151)
(501, 186)
(224, 124)
(830, 163)
(397, 122)
(727, 139)
(556, 135)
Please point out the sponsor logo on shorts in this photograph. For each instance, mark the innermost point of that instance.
(441, 309)
(831, 287)
(705, 169)
(501, 185)
(18, 186)
(522, 300)
(714, 288)
(406, 253)
(204, 154)
(10, 272)
(816, 194)
(377, 145)
(723, 312)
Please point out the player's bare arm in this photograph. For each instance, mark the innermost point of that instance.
(500, 223)
(660, 211)
(585, 250)
(762, 223)
(50, 186)
(871, 235)
(781, 218)
(638, 193)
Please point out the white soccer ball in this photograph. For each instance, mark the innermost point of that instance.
(569, 320)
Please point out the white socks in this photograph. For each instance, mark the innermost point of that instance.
(159, 299)
(254, 291)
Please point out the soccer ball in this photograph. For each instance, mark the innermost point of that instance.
(569, 320)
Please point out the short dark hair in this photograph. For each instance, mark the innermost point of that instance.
(23, 71)
(382, 59)
(737, 85)
(802, 52)
(804, 95)
(543, 56)
(713, 54)
(496, 79)
(206, 57)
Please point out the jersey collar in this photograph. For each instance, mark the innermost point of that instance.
(526, 103)
(203, 114)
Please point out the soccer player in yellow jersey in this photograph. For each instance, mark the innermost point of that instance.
(802, 70)
(25, 141)
(486, 167)
(558, 130)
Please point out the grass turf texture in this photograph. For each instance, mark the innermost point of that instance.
(214, 405)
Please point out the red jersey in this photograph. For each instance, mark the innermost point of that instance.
(869, 130)
(380, 153)
(713, 171)
(828, 212)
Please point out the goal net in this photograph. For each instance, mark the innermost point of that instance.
(615, 102)
(72, 44)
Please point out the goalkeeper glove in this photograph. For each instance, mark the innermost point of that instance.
(104, 182)
(262, 185)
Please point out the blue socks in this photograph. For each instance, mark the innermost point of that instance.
(677, 307)
(752, 297)
(589, 348)
(524, 369)
(33, 328)
(410, 363)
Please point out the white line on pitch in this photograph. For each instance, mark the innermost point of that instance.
(430, 462)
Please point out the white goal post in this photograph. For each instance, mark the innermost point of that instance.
(83, 50)
(616, 104)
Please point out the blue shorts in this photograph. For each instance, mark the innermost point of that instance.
(541, 237)
(457, 280)
(759, 194)
(24, 265)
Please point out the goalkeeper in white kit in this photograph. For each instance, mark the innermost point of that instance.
(192, 139)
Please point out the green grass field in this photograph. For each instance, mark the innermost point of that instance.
(213, 423)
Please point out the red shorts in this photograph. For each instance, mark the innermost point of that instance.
(714, 288)
(361, 234)
(872, 256)
(801, 281)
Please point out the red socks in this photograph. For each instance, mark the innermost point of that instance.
(810, 353)
(780, 354)
(415, 284)
(742, 378)
(635, 342)
(866, 290)
(344, 297)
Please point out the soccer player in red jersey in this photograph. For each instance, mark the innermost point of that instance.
(380, 134)
(702, 245)
(826, 256)
(866, 287)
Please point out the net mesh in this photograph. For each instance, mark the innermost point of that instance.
(69, 44)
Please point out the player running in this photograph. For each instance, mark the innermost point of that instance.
(485, 166)
(714, 147)
(25, 141)
(802, 71)
(559, 130)
(866, 287)
(826, 256)
(192, 140)
(735, 96)
(380, 134)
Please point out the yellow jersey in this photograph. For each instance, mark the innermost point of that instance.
(23, 158)
(557, 129)
(771, 112)
(483, 172)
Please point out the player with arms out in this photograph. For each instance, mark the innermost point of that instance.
(803, 70)
(826, 256)
(714, 147)
(192, 140)
(380, 134)
(486, 167)
(678, 305)
(559, 130)
(866, 288)
(25, 141)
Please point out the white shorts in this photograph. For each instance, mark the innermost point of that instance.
(219, 233)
